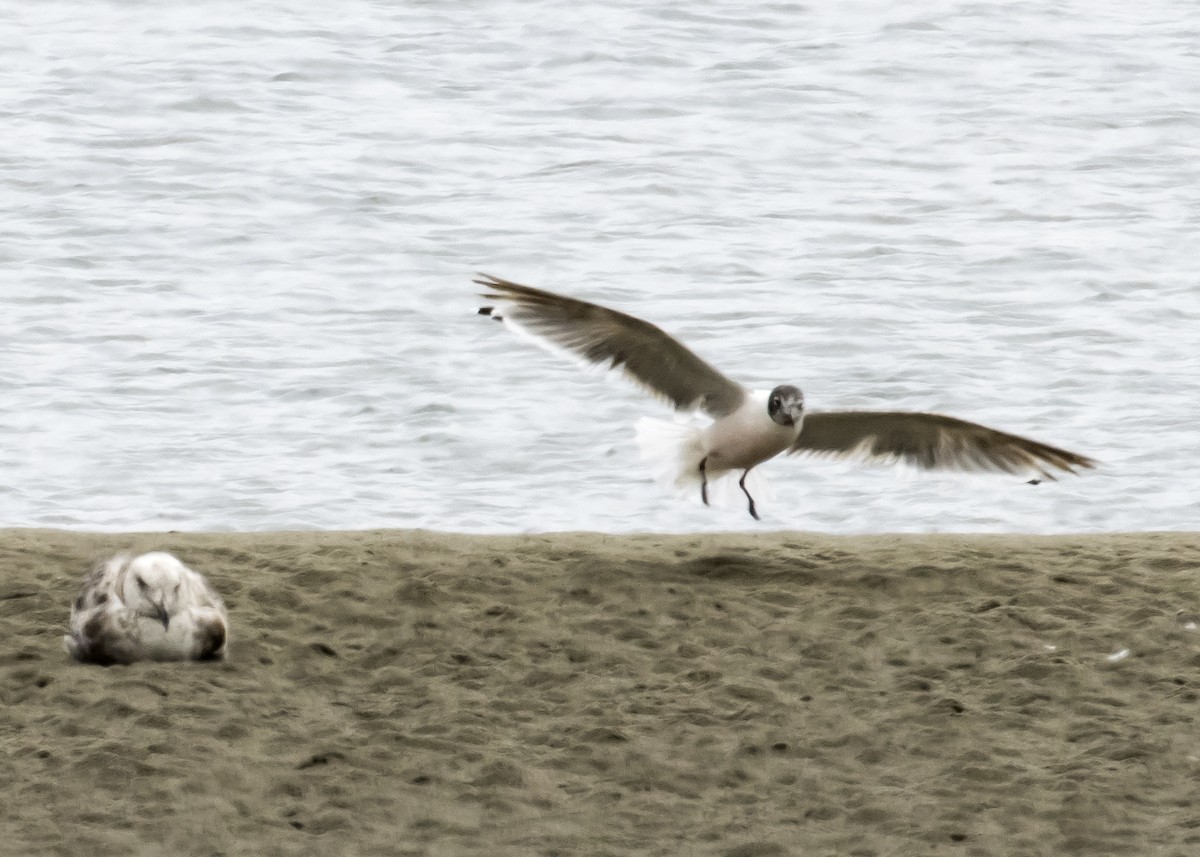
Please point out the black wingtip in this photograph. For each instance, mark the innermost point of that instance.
(1045, 477)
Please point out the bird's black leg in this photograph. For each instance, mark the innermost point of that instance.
(703, 481)
(742, 485)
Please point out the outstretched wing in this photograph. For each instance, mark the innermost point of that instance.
(930, 442)
(651, 358)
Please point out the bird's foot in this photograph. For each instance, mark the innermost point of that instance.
(742, 485)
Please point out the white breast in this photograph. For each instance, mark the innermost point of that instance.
(747, 437)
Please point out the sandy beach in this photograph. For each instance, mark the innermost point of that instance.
(416, 693)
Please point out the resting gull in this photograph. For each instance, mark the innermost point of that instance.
(744, 428)
(146, 608)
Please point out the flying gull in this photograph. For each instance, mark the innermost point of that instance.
(747, 427)
(146, 608)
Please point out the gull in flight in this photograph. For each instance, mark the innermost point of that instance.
(747, 427)
(146, 608)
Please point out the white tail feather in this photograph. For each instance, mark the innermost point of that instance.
(674, 451)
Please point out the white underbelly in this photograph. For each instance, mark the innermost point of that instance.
(746, 437)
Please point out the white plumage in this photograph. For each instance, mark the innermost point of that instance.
(731, 447)
(150, 607)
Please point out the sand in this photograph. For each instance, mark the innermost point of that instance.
(412, 693)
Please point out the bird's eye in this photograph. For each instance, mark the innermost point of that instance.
(141, 583)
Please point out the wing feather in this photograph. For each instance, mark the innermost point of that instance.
(648, 356)
(931, 442)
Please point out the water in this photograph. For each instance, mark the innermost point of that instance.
(237, 241)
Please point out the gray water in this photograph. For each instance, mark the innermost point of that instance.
(237, 242)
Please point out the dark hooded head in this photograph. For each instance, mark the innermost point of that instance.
(786, 405)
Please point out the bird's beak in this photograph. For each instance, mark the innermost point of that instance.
(162, 615)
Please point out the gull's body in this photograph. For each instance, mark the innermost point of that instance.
(146, 608)
(745, 428)
(747, 437)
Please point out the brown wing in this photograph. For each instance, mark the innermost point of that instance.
(210, 640)
(102, 639)
(930, 442)
(648, 356)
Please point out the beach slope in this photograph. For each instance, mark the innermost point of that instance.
(415, 693)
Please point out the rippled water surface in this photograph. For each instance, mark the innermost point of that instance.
(237, 242)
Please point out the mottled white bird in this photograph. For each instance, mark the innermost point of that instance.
(146, 608)
(745, 428)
